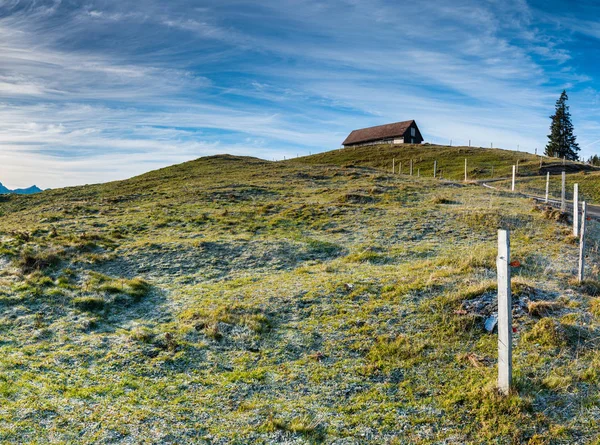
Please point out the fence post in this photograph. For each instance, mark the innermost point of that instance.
(434, 169)
(563, 193)
(547, 185)
(492, 171)
(400, 169)
(393, 165)
(517, 166)
(582, 243)
(513, 177)
(576, 210)
(504, 313)
(411, 167)
(465, 169)
(418, 173)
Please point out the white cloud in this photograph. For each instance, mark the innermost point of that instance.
(111, 89)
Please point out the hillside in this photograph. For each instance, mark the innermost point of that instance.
(589, 185)
(234, 300)
(483, 163)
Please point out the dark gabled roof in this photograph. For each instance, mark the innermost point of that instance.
(379, 132)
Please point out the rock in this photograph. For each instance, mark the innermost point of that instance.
(490, 323)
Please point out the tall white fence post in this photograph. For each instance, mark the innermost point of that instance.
(434, 169)
(563, 193)
(504, 313)
(465, 169)
(580, 274)
(513, 177)
(576, 210)
(547, 186)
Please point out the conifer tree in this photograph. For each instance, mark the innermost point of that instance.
(561, 140)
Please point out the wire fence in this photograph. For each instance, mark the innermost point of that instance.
(535, 188)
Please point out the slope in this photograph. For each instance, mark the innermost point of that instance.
(233, 300)
(482, 163)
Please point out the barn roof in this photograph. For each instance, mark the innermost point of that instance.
(379, 132)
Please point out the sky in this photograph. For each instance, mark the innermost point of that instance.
(98, 90)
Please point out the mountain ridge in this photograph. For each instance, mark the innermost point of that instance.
(23, 191)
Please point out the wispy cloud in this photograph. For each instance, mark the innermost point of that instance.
(107, 89)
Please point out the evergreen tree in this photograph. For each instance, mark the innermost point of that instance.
(561, 140)
(594, 160)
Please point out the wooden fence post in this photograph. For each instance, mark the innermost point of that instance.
(547, 186)
(492, 171)
(576, 210)
(580, 275)
(465, 169)
(513, 177)
(504, 313)
(400, 169)
(434, 169)
(411, 167)
(393, 165)
(563, 193)
(418, 173)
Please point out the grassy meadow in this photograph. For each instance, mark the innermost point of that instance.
(231, 300)
(482, 163)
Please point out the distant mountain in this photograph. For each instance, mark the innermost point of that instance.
(27, 191)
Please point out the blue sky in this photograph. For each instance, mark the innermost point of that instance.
(99, 90)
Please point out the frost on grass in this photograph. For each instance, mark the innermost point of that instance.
(232, 300)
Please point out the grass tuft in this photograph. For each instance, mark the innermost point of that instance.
(89, 303)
